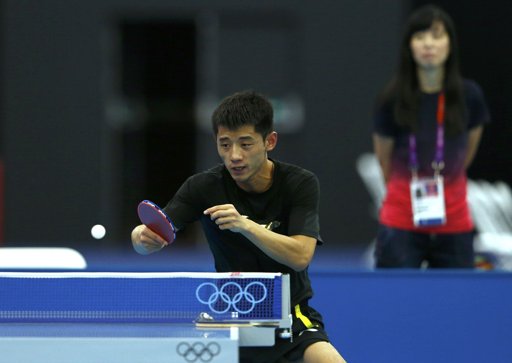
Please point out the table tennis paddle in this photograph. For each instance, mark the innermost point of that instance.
(155, 219)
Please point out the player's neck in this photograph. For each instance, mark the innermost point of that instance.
(262, 181)
(431, 80)
(268, 176)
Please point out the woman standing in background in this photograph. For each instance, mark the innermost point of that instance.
(427, 127)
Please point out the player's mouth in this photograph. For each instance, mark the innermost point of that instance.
(237, 170)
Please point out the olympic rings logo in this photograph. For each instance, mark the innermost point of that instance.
(198, 351)
(231, 296)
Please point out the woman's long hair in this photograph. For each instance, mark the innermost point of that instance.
(403, 91)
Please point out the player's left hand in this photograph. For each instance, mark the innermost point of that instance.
(227, 217)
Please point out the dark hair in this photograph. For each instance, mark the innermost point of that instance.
(244, 108)
(403, 90)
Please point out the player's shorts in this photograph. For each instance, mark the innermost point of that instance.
(307, 328)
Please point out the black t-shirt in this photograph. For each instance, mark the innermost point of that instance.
(477, 114)
(289, 207)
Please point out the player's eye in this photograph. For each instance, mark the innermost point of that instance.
(418, 36)
(439, 34)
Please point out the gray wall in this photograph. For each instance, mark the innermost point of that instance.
(58, 82)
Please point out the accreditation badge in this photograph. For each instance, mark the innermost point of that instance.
(427, 197)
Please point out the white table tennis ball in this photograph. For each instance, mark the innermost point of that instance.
(98, 231)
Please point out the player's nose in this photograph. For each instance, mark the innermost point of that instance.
(236, 153)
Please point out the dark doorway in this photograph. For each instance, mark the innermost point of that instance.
(158, 78)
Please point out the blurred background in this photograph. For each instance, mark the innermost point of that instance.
(104, 103)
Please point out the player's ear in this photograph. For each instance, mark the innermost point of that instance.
(271, 141)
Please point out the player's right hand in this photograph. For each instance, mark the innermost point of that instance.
(145, 241)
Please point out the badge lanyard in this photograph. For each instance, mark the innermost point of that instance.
(438, 162)
(427, 194)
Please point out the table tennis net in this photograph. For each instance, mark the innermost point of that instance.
(140, 297)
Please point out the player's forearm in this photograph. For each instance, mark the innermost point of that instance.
(383, 148)
(295, 252)
(473, 141)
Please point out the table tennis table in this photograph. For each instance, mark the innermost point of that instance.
(140, 317)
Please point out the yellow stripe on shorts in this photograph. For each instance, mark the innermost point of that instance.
(305, 320)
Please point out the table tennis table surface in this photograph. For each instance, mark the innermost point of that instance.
(117, 342)
(139, 317)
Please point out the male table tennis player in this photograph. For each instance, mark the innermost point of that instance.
(258, 215)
